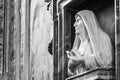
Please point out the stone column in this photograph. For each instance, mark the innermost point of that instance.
(27, 41)
(117, 57)
(25, 38)
(6, 39)
(17, 39)
(1, 36)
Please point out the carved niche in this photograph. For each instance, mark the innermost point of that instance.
(64, 17)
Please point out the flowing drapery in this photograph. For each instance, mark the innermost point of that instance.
(99, 50)
(41, 36)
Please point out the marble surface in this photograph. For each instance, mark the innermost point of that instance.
(102, 73)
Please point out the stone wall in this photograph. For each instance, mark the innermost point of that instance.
(1, 34)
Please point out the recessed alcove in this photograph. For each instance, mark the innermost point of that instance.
(66, 10)
(102, 9)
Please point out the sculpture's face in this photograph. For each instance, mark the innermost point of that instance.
(79, 26)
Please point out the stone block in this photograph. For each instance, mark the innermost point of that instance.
(100, 73)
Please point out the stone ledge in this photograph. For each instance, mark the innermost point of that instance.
(101, 73)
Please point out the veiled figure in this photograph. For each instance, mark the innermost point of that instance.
(41, 36)
(92, 46)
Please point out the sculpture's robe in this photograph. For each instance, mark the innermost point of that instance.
(41, 36)
(98, 52)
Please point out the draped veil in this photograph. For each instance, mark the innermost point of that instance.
(99, 40)
(41, 36)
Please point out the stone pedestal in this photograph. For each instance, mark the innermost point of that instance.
(101, 73)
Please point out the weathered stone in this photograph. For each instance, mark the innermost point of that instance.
(102, 73)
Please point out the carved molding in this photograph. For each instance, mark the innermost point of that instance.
(6, 39)
(99, 73)
(59, 42)
(11, 54)
(1, 33)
